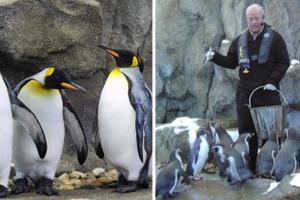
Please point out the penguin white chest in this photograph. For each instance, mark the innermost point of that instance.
(116, 122)
(47, 106)
(6, 127)
(202, 156)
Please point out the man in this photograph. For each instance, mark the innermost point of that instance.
(262, 56)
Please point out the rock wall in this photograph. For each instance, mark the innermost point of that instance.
(38, 34)
(186, 29)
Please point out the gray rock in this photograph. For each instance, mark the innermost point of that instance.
(180, 134)
(212, 187)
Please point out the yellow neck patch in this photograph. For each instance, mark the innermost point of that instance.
(116, 73)
(37, 88)
(135, 62)
(49, 71)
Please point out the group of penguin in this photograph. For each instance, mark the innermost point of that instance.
(214, 144)
(34, 115)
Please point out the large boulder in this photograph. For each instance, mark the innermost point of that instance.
(185, 30)
(181, 133)
(65, 34)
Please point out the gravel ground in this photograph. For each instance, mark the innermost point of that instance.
(88, 194)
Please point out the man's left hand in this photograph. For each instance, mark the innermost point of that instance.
(270, 86)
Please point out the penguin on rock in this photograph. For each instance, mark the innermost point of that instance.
(43, 94)
(124, 134)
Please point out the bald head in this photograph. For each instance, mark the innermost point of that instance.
(255, 17)
(255, 7)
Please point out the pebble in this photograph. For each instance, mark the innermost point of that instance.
(98, 172)
(77, 175)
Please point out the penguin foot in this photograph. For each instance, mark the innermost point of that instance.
(131, 187)
(143, 182)
(47, 190)
(144, 176)
(3, 191)
(21, 186)
(112, 185)
(173, 194)
(197, 178)
(116, 184)
(234, 182)
(168, 196)
(45, 186)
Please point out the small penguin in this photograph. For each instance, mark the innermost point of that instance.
(232, 164)
(221, 135)
(42, 94)
(12, 109)
(286, 160)
(198, 155)
(124, 135)
(266, 157)
(222, 160)
(242, 146)
(169, 176)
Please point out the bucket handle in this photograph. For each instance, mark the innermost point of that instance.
(260, 87)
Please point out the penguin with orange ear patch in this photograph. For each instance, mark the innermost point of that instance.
(124, 136)
(42, 94)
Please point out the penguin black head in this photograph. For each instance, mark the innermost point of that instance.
(58, 79)
(218, 148)
(292, 134)
(125, 58)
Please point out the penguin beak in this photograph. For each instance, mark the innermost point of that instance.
(72, 86)
(110, 51)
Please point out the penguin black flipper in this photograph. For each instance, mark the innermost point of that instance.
(98, 148)
(193, 155)
(21, 84)
(140, 109)
(143, 178)
(141, 101)
(25, 117)
(74, 127)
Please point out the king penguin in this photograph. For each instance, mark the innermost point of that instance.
(6, 136)
(13, 110)
(124, 135)
(42, 93)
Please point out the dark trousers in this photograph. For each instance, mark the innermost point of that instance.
(245, 124)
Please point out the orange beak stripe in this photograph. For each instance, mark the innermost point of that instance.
(113, 53)
(68, 86)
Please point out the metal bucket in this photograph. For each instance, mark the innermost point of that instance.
(269, 120)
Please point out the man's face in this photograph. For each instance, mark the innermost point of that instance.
(254, 20)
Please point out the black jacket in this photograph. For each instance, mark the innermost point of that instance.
(260, 74)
